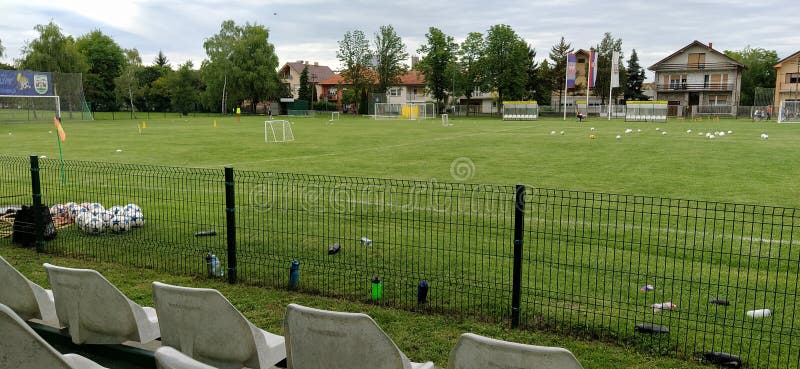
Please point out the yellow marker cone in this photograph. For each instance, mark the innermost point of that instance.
(144, 124)
(215, 123)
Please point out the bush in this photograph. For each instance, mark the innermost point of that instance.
(324, 106)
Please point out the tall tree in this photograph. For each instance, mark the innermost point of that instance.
(126, 86)
(161, 60)
(4, 65)
(506, 63)
(390, 53)
(608, 45)
(52, 51)
(304, 91)
(106, 60)
(536, 87)
(2, 48)
(470, 59)
(438, 54)
(758, 71)
(635, 78)
(183, 86)
(355, 56)
(558, 60)
(242, 61)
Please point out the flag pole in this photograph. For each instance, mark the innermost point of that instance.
(566, 81)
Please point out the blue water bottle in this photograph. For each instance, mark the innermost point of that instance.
(294, 274)
(422, 292)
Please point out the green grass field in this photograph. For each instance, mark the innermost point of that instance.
(584, 268)
(740, 167)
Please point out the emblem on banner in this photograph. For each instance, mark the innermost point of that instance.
(40, 83)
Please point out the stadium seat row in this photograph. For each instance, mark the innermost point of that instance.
(200, 329)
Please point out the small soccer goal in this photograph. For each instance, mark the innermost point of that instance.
(789, 111)
(520, 110)
(334, 116)
(278, 131)
(646, 111)
(405, 111)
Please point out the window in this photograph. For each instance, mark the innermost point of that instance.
(792, 77)
(677, 81)
(697, 60)
(581, 60)
(718, 99)
(332, 91)
(394, 91)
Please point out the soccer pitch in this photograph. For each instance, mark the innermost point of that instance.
(740, 167)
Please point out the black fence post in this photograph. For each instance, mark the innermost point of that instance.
(36, 187)
(230, 217)
(519, 224)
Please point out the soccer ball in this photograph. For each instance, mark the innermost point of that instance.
(58, 211)
(94, 225)
(116, 209)
(132, 207)
(120, 224)
(664, 133)
(96, 209)
(618, 137)
(136, 218)
(82, 219)
(86, 205)
(76, 210)
(106, 216)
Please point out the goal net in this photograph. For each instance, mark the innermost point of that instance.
(789, 111)
(646, 111)
(407, 111)
(27, 96)
(520, 110)
(334, 116)
(278, 131)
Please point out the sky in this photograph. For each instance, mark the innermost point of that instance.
(310, 29)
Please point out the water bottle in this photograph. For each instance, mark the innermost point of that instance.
(759, 313)
(209, 265)
(422, 292)
(218, 267)
(294, 274)
(377, 288)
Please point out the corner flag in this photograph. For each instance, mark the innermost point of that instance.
(61, 134)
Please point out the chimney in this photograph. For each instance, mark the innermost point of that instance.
(710, 45)
(300, 61)
(414, 61)
(306, 62)
(316, 64)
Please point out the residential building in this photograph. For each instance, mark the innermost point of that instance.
(290, 75)
(787, 80)
(697, 74)
(410, 89)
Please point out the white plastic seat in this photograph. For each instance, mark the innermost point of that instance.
(204, 325)
(170, 358)
(27, 299)
(321, 339)
(478, 352)
(22, 348)
(95, 311)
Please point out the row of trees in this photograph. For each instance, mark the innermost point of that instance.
(241, 66)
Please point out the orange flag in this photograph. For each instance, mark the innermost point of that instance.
(61, 135)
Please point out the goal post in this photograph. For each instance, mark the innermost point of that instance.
(334, 116)
(789, 111)
(278, 131)
(405, 111)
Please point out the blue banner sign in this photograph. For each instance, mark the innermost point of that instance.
(25, 83)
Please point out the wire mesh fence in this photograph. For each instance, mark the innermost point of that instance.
(615, 267)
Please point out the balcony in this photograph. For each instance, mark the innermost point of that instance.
(695, 66)
(695, 87)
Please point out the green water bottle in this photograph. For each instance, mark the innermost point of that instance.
(377, 288)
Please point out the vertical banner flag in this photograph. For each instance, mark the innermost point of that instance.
(61, 135)
(615, 69)
(571, 71)
(592, 75)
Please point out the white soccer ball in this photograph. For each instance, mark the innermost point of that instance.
(764, 136)
(592, 128)
(628, 131)
(562, 133)
(664, 133)
(618, 137)
(86, 205)
(81, 220)
(93, 225)
(136, 218)
(116, 209)
(722, 134)
(97, 210)
(658, 129)
(730, 132)
(638, 130)
(106, 217)
(76, 210)
(58, 211)
(552, 132)
(711, 137)
(688, 131)
(132, 207)
(120, 224)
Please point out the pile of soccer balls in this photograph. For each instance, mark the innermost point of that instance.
(93, 218)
